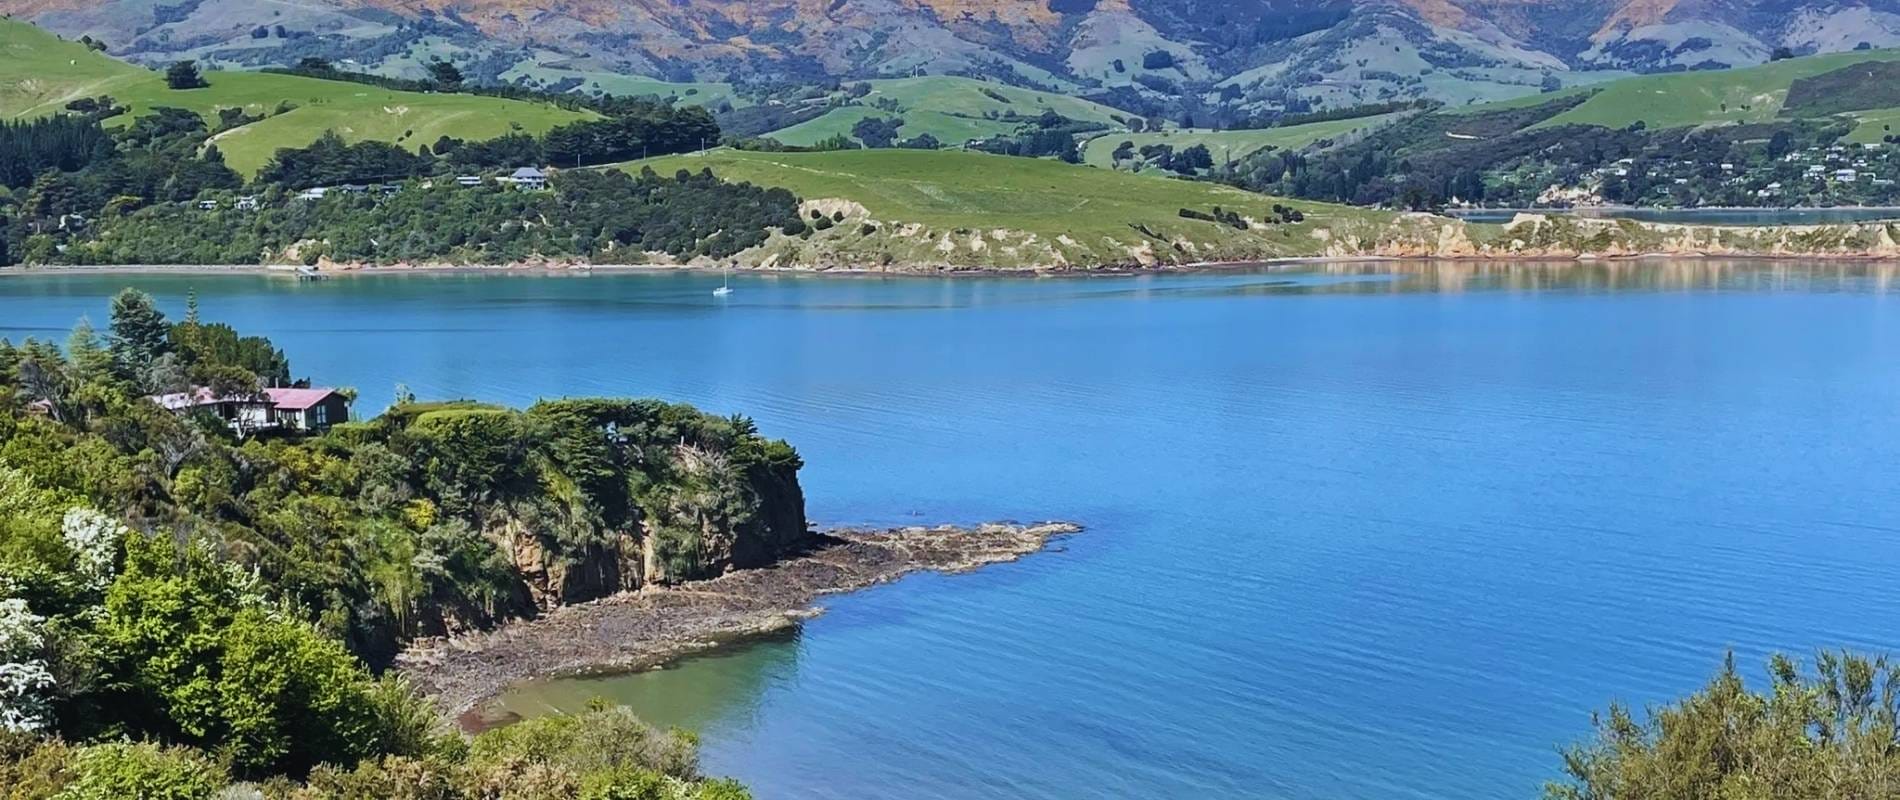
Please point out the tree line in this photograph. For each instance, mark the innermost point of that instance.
(73, 191)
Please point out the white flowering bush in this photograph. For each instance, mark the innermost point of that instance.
(24, 680)
(94, 539)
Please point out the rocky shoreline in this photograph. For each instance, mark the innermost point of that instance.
(647, 628)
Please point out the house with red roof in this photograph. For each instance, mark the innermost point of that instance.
(312, 409)
(309, 410)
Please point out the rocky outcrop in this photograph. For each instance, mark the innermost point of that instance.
(641, 629)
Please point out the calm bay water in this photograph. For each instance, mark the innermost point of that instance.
(1373, 531)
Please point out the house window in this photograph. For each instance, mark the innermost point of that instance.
(319, 415)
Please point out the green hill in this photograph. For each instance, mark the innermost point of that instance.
(1752, 94)
(1230, 144)
(952, 109)
(550, 68)
(972, 209)
(40, 73)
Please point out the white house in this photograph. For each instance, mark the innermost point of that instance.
(528, 178)
(1846, 175)
(314, 193)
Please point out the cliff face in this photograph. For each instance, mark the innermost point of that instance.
(580, 499)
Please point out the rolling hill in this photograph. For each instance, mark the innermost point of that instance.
(962, 208)
(40, 73)
(952, 109)
(1753, 94)
(1232, 144)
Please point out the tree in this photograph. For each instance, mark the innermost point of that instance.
(877, 132)
(445, 76)
(1829, 733)
(922, 141)
(91, 361)
(203, 654)
(184, 75)
(139, 334)
(1780, 144)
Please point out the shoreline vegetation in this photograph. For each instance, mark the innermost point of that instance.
(656, 625)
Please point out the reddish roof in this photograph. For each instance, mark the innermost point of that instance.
(298, 399)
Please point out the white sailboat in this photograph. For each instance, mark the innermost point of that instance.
(725, 283)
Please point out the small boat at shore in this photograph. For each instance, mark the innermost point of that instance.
(725, 283)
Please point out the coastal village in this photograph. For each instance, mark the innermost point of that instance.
(1850, 174)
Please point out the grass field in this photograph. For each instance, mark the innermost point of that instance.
(1873, 125)
(1751, 94)
(950, 130)
(952, 109)
(1525, 101)
(39, 73)
(1231, 144)
(699, 93)
(969, 206)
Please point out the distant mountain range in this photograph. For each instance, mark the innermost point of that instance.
(1231, 53)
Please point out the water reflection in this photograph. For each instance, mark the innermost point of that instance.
(715, 690)
(1657, 274)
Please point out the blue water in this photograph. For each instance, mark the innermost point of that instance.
(1379, 531)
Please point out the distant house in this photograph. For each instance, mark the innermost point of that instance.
(304, 410)
(312, 409)
(207, 205)
(1846, 175)
(468, 180)
(315, 193)
(247, 202)
(528, 178)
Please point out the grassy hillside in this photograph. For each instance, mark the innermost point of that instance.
(40, 73)
(952, 109)
(1233, 144)
(960, 208)
(1753, 94)
(355, 111)
(551, 68)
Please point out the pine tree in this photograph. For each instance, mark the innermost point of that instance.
(139, 334)
(90, 359)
